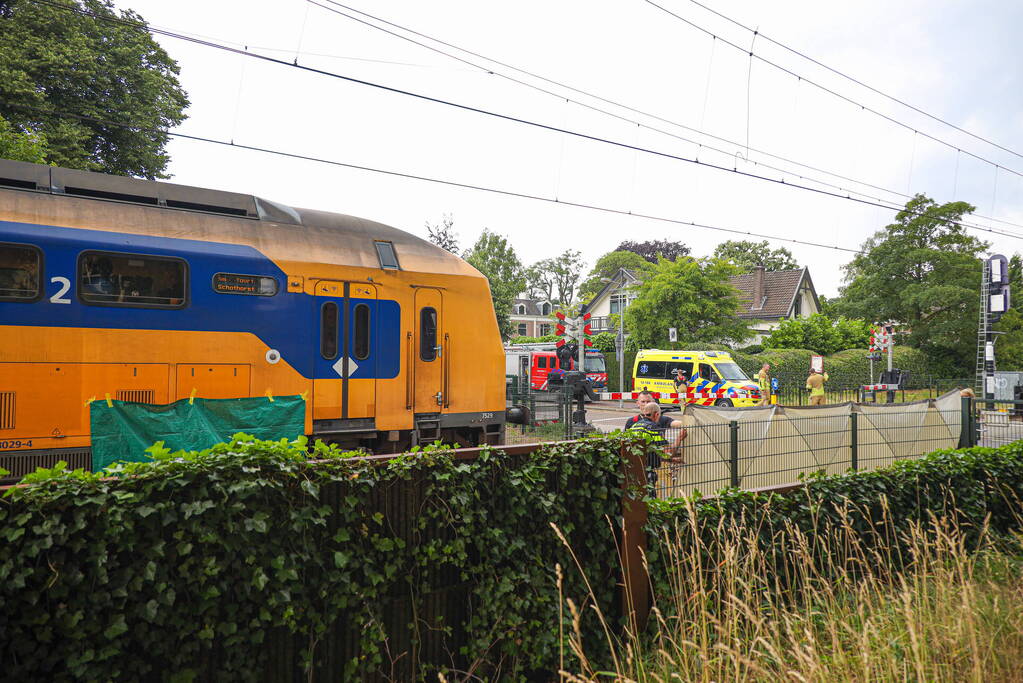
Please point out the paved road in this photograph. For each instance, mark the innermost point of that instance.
(606, 416)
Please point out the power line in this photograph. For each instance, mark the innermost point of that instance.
(492, 72)
(504, 117)
(858, 82)
(830, 91)
(439, 181)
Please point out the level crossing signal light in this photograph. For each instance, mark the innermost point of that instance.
(562, 327)
(881, 338)
(998, 287)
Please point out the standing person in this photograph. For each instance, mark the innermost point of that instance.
(651, 421)
(815, 384)
(764, 381)
(642, 398)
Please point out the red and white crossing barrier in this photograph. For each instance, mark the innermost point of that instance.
(880, 387)
(689, 395)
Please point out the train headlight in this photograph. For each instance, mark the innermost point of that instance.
(272, 356)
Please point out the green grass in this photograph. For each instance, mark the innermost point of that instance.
(951, 615)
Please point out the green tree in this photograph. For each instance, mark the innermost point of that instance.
(652, 250)
(746, 255)
(605, 341)
(1016, 280)
(821, 334)
(554, 279)
(102, 67)
(20, 146)
(497, 260)
(692, 296)
(1009, 346)
(443, 234)
(606, 267)
(923, 273)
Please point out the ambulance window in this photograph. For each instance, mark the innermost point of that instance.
(428, 334)
(20, 267)
(328, 330)
(361, 341)
(685, 368)
(651, 369)
(708, 373)
(541, 362)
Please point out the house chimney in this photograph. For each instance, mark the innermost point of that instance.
(758, 289)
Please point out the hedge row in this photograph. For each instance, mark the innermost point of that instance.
(970, 487)
(212, 565)
(845, 367)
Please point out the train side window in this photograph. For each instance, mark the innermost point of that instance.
(428, 334)
(361, 350)
(138, 280)
(328, 330)
(21, 268)
(388, 258)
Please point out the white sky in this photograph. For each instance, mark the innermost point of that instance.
(957, 60)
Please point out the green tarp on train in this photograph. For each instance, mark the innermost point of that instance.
(122, 431)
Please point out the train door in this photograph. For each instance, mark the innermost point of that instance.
(429, 352)
(345, 320)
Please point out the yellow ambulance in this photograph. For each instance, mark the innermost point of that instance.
(713, 378)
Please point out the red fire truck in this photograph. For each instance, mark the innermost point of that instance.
(538, 361)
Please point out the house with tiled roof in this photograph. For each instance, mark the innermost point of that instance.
(531, 318)
(766, 298)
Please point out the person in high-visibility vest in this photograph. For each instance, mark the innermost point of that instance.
(815, 384)
(764, 381)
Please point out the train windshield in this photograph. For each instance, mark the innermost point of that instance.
(595, 364)
(731, 372)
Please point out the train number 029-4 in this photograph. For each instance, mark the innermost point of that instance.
(16, 443)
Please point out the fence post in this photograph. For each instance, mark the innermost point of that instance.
(966, 432)
(733, 451)
(854, 442)
(635, 595)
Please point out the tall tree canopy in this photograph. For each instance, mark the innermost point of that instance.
(692, 296)
(497, 260)
(746, 255)
(59, 60)
(443, 234)
(652, 250)
(554, 279)
(821, 334)
(21, 146)
(606, 266)
(923, 272)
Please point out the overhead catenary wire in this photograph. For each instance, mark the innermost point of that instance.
(857, 81)
(626, 107)
(505, 117)
(440, 181)
(831, 91)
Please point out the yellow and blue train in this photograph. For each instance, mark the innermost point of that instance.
(152, 292)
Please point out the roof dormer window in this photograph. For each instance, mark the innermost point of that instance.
(385, 252)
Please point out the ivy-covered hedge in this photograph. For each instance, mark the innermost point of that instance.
(971, 487)
(246, 560)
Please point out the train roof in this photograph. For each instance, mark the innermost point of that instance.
(291, 233)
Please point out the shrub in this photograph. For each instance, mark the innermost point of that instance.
(970, 488)
(250, 555)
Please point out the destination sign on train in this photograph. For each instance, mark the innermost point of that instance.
(231, 283)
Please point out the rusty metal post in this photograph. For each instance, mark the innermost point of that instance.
(635, 588)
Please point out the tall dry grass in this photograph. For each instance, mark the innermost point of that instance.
(939, 603)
